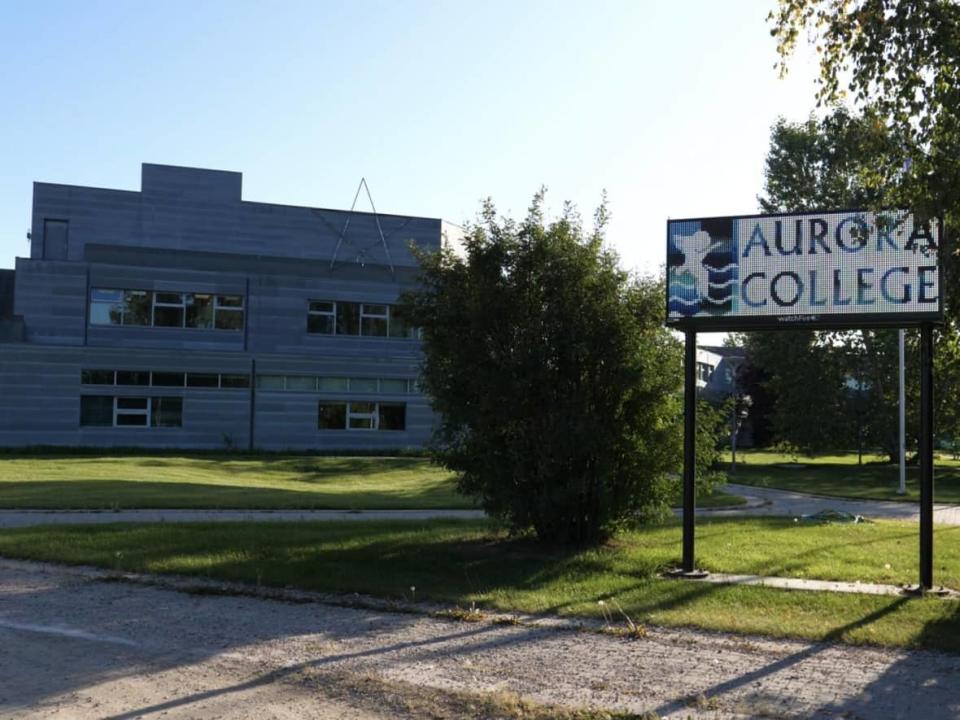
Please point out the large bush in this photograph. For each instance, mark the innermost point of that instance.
(557, 385)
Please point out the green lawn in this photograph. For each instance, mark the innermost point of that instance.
(117, 481)
(225, 481)
(462, 562)
(840, 475)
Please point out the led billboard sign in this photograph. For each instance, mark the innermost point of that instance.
(826, 269)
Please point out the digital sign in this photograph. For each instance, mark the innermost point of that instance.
(825, 269)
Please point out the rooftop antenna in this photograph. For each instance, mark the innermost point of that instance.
(362, 252)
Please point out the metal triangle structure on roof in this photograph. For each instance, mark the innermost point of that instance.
(342, 236)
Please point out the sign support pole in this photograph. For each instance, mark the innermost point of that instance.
(926, 456)
(689, 449)
(902, 490)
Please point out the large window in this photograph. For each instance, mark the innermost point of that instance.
(164, 379)
(166, 309)
(311, 383)
(328, 317)
(108, 411)
(361, 415)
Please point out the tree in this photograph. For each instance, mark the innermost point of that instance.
(902, 59)
(556, 383)
(821, 164)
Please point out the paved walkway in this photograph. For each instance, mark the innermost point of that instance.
(76, 647)
(760, 501)
(23, 518)
(768, 501)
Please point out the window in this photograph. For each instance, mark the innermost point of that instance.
(348, 318)
(333, 415)
(133, 377)
(331, 384)
(302, 383)
(106, 307)
(228, 313)
(393, 416)
(166, 309)
(107, 411)
(203, 380)
(362, 416)
(310, 383)
(321, 317)
(393, 385)
(199, 310)
(270, 382)
(136, 307)
(234, 381)
(398, 327)
(373, 320)
(131, 412)
(96, 377)
(166, 412)
(704, 371)
(363, 385)
(167, 379)
(96, 411)
(326, 317)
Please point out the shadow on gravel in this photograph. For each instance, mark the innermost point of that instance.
(895, 693)
(755, 676)
(430, 652)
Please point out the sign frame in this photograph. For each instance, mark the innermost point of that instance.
(826, 321)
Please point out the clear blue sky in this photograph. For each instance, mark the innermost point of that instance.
(667, 105)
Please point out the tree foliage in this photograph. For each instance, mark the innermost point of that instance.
(838, 390)
(556, 383)
(898, 61)
(901, 59)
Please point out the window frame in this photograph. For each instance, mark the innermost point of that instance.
(151, 403)
(350, 414)
(338, 317)
(119, 308)
(365, 315)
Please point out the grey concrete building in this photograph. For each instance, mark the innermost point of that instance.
(184, 316)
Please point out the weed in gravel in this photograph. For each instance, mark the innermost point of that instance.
(460, 614)
(406, 700)
(702, 702)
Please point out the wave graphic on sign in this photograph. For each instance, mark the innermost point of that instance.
(702, 271)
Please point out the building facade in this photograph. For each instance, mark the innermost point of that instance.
(184, 316)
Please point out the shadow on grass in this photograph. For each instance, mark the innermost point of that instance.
(105, 494)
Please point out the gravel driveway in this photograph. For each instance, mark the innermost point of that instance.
(73, 645)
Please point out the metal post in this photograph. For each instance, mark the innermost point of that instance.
(733, 435)
(689, 448)
(253, 403)
(926, 456)
(903, 420)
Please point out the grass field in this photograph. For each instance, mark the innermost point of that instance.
(84, 481)
(840, 475)
(459, 563)
(225, 481)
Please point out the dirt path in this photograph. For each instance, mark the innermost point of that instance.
(73, 645)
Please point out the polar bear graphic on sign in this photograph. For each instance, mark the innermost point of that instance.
(698, 284)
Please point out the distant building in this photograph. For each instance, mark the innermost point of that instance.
(717, 368)
(184, 316)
